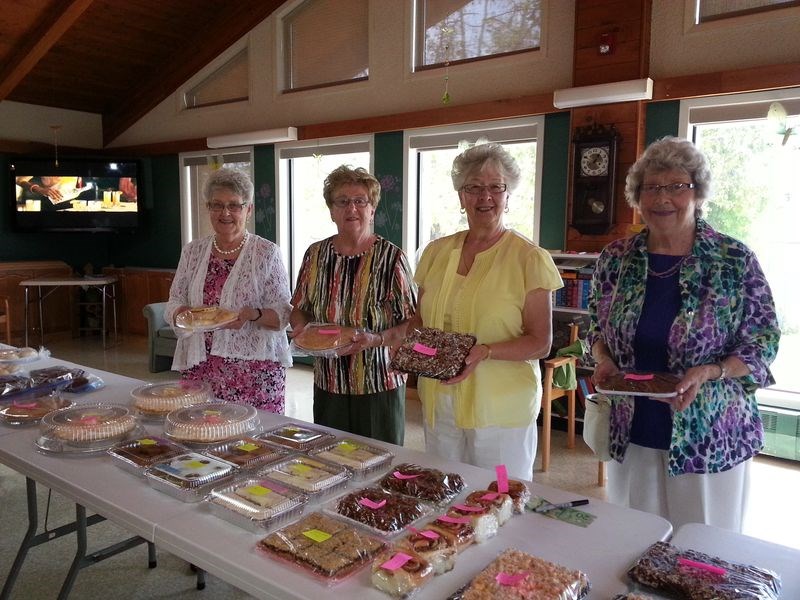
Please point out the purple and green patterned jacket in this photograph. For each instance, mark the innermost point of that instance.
(726, 310)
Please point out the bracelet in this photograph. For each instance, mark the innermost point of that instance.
(258, 317)
(723, 372)
(489, 350)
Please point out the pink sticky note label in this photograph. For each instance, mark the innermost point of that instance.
(396, 562)
(685, 562)
(328, 331)
(399, 475)
(371, 504)
(502, 479)
(467, 508)
(638, 377)
(490, 496)
(274, 487)
(508, 579)
(88, 421)
(25, 404)
(456, 520)
(426, 533)
(423, 349)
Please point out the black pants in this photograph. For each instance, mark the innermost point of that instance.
(381, 416)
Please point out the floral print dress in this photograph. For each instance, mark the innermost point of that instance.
(260, 383)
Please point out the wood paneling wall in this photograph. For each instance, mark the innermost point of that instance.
(135, 289)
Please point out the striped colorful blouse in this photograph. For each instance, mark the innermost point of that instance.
(372, 291)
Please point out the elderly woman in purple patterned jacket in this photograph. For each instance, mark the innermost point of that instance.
(682, 298)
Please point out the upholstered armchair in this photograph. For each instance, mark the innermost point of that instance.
(161, 339)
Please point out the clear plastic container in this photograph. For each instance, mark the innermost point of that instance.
(297, 437)
(211, 422)
(29, 408)
(382, 512)
(362, 459)
(156, 400)
(327, 340)
(247, 452)
(137, 455)
(15, 356)
(322, 546)
(256, 503)
(87, 428)
(190, 476)
(205, 318)
(317, 478)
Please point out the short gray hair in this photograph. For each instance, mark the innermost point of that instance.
(234, 180)
(666, 154)
(475, 159)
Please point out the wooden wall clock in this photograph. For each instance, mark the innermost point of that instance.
(594, 173)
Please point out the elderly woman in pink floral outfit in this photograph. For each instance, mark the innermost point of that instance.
(246, 360)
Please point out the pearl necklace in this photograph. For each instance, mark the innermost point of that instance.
(667, 272)
(229, 252)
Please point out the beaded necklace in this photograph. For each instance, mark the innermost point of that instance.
(667, 272)
(229, 252)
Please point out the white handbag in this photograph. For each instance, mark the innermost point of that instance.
(596, 424)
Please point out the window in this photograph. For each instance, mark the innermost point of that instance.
(434, 208)
(713, 10)
(458, 30)
(302, 170)
(756, 198)
(227, 84)
(339, 55)
(195, 169)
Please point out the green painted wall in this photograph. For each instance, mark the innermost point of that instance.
(662, 119)
(265, 199)
(389, 171)
(553, 226)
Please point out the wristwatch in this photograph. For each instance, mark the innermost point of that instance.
(258, 317)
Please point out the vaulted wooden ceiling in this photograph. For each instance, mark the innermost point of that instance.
(118, 58)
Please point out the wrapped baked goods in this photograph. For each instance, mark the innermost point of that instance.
(400, 573)
(457, 531)
(324, 546)
(500, 505)
(39, 381)
(13, 384)
(297, 437)
(317, 478)
(424, 483)
(519, 492)
(189, 476)
(86, 428)
(28, 408)
(205, 318)
(433, 353)
(438, 549)
(138, 454)
(246, 452)
(156, 400)
(515, 575)
(256, 503)
(652, 385)
(482, 518)
(383, 512)
(324, 339)
(9, 356)
(360, 458)
(211, 422)
(698, 576)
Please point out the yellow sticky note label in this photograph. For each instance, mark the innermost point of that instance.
(211, 412)
(248, 447)
(300, 468)
(195, 464)
(347, 447)
(147, 442)
(258, 490)
(317, 535)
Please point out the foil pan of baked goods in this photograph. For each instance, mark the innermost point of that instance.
(515, 574)
(19, 356)
(256, 503)
(694, 575)
(433, 353)
(425, 483)
(40, 380)
(28, 409)
(246, 452)
(189, 476)
(327, 340)
(87, 428)
(156, 400)
(401, 573)
(138, 454)
(318, 479)
(211, 423)
(205, 318)
(635, 383)
(324, 547)
(364, 460)
(383, 513)
(297, 437)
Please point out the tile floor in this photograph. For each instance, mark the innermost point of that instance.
(775, 484)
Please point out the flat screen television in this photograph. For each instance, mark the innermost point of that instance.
(75, 195)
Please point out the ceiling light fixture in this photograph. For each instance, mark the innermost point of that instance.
(266, 136)
(604, 93)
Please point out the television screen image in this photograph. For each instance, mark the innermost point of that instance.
(76, 195)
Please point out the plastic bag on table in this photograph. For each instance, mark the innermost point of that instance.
(424, 483)
(383, 512)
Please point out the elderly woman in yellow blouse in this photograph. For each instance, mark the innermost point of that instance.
(496, 284)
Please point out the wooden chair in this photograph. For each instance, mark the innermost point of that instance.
(5, 318)
(550, 393)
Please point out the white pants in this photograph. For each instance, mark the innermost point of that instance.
(641, 482)
(486, 447)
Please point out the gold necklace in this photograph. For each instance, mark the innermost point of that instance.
(229, 252)
(667, 272)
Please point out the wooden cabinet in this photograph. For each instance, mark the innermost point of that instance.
(136, 288)
(58, 308)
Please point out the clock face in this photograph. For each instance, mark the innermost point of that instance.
(594, 161)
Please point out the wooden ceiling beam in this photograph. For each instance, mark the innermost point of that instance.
(38, 43)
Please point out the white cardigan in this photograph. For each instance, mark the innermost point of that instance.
(258, 279)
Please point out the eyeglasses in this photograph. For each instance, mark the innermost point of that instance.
(233, 207)
(672, 189)
(357, 201)
(477, 190)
